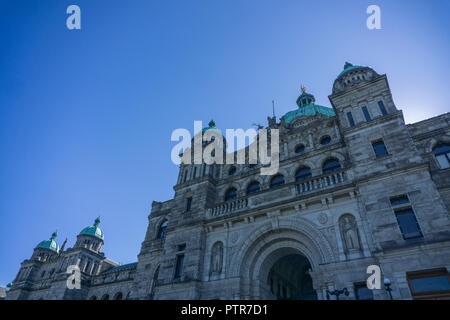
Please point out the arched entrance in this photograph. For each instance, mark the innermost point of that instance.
(289, 279)
(291, 246)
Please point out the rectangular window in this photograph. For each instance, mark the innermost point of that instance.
(350, 119)
(379, 148)
(398, 200)
(434, 284)
(382, 108)
(181, 247)
(179, 266)
(366, 113)
(362, 292)
(188, 204)
(408, 223)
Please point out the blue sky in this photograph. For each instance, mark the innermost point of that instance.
(86, 115)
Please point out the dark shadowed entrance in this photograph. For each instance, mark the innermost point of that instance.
(289, 279)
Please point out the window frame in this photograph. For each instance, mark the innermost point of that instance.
(444, 154)
(374, 150)
(278, 184)
(382, 107)
(425, 274)
(350, 119)
(226, 197)
(398, 210)
(366, 113)
(254, 182)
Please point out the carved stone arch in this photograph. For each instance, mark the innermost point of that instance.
(254, 179)
(337, 217)
(158, 223)
(304, 163)
(431, 143)
(333, 154)
(230, 186)
(302, 228)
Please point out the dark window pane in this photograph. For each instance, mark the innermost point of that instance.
(188, 204)
(382, 108)
(366, 113)
(363, 293)
(162, 230)
(299, 148)
(179, 265)
(232, 171)
(230, 194)
(379, 148)
(325, 140)
(303, 174)
(253, 187)
(395, 201)
(442, 154)
(430, 283)
(408, 223)
(350, 119)
(181, 247)
(277, 180)
(331, 165)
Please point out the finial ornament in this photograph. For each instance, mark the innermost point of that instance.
(54, 235)
(212, 124)
(97, 221)
(303, 88)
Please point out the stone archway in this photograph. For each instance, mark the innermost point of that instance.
(288, 278)
(271, 243)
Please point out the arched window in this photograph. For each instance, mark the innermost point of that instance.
(162, 230)
(325, 140)
(105, 297)
(303, 173)
(118, 296)
(253, 187)
(442, 154)
(278, 180)
(331, 165)
(300, 148)
(231, 194)
(232, 171)
(93, 298)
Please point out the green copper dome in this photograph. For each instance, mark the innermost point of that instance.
(347, 67)
(93, 230)
(50, 244)
(307, 107)
(211, 126)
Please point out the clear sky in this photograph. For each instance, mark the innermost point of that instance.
(86, 115)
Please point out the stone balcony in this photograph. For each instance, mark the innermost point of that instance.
(322, 182)
(284, 192)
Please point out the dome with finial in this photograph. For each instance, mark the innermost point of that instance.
(307, 107)
(50, 244)
(93, 230)
(352, 76)
(211, 126)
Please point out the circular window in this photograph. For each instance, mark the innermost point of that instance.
(232, 171)
(300, 148)
(252, 165)
(325, 140)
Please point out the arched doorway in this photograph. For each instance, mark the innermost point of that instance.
(289, 279)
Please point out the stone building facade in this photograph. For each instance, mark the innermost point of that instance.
(356, 187)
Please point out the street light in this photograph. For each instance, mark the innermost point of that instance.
(387, 285)
(337, 293)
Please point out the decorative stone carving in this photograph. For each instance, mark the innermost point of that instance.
(217, 258)
(322, 218)
(349, 232)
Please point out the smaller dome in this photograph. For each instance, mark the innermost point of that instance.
(211, 126)
(50, 244)
(93, 230)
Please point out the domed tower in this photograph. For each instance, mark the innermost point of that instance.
(91, 237)
(46, 248)
(360, 95)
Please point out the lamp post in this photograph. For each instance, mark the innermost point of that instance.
(387, 285)
(337, 293)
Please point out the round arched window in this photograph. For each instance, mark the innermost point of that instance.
(231, 194)
(331, 165)
(278, 180)
(300, 148)
(325, 140)
(303, 173)
(253, 187)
